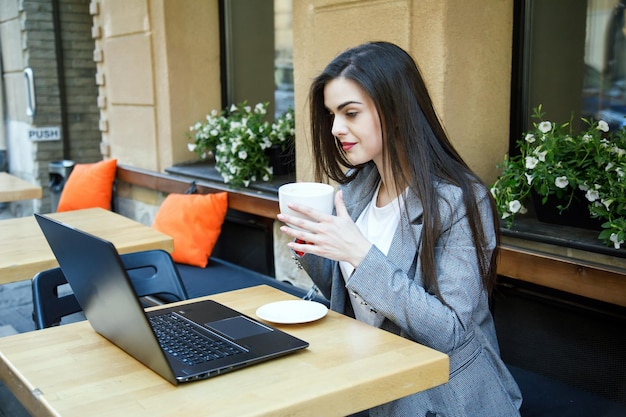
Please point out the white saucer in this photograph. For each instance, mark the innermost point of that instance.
(292, 311)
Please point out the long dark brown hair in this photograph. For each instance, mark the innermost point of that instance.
(412, 135)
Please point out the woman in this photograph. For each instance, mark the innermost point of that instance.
(411, 247)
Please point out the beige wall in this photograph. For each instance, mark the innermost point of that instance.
(159, 69)
(463, 48)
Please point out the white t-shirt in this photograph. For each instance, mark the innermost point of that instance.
(378, 225)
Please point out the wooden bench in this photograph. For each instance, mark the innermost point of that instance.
(584, 278)
(243, 255)
(243, 200)
(250, 212)
(578, 277)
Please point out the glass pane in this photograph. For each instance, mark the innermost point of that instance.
(604, 90)
(552, 63)
(283, 57)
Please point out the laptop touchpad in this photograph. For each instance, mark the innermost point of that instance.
(237, 327)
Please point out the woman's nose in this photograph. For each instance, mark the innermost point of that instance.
(338, 128)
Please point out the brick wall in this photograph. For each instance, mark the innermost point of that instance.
(64, 79)
(80, 82)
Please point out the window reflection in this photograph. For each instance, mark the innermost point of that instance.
(604, 90)
(283, 56)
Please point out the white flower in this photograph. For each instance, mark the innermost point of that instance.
(603, 126)
(592, 195)
(242, 155)
(233, 108)
(236, 142)
(494, 191)
(587, 137)
(616, 243)
(266, 143)
(530, 138)
(505, 215)
(561, 182)
(540, 155)
(531, 162)
(529, 179)
(609, 166)
(545, 127)
(583, 187)
(260, 108)
(515, 206)
(191, 147)
(606, 203)
(619, 151)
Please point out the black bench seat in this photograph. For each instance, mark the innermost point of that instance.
(221, 276)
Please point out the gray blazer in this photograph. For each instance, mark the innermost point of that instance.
(480, 384)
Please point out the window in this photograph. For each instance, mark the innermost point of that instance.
(257, 53)
(604, 89)
(283, 59)
(570, 57)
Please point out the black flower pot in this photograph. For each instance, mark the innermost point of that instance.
(576, 215)
(283, 161)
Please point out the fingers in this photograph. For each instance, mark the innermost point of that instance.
(295, 221)
(299, 245)
(312, 215)
(340, 206)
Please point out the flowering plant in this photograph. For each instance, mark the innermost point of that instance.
(554, 161)
(238, 137)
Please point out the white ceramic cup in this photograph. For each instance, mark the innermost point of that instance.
(311, 194)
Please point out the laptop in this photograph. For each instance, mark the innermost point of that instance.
(100, 282)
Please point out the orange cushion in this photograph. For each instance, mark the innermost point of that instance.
(194, 221)
(88, 186)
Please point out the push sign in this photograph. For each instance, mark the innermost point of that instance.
(39, 134)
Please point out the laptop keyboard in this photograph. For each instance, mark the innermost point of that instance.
(183, 341)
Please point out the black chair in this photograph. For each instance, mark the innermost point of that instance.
(153, 274)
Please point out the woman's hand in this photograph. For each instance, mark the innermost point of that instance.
(333, 237)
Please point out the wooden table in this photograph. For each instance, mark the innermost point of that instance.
(13, 188)
(24, 250)
(349, 366)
